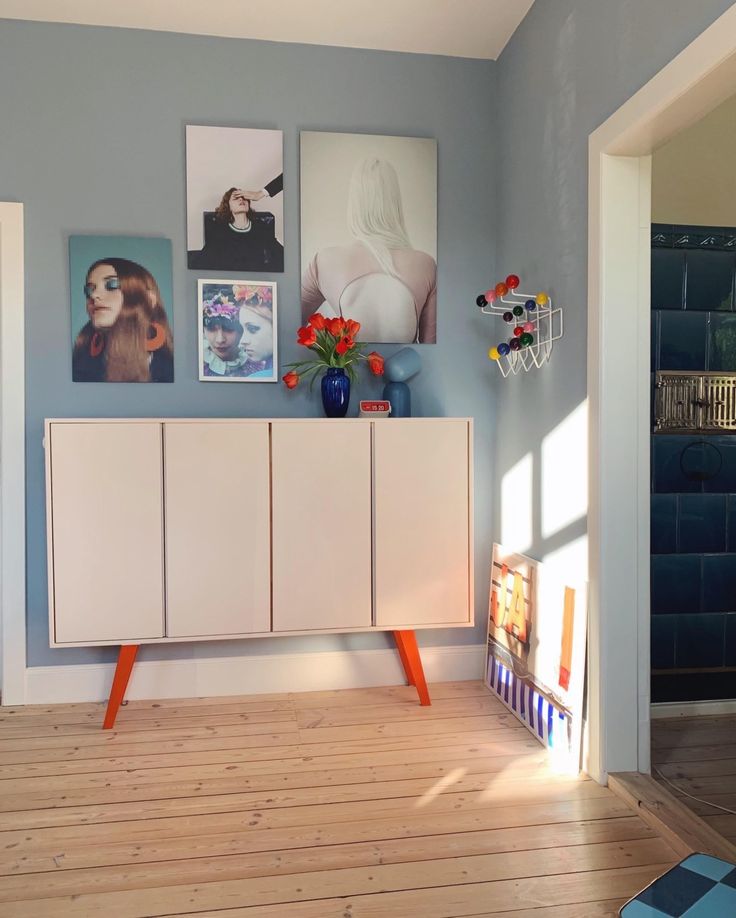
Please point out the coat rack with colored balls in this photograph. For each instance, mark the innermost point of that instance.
(533, 324)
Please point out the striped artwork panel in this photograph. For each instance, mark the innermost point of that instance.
(550, 725)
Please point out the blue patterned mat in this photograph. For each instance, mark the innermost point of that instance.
(698, 887)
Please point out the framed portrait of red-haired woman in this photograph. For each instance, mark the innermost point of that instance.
(121, 295)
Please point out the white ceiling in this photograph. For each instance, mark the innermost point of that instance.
(464, 28)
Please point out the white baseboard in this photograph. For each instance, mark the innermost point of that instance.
(663, 710)
(273, 673)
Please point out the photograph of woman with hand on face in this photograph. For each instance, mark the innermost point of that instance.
(238, 340)
(239, 238)
(127, 335)
(235, 219)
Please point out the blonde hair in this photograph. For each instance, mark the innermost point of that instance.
(375, 211)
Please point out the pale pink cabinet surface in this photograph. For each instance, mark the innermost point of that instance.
(321, 479)
(422, 524)
(218, 528)
(197, 529)
(106, 532)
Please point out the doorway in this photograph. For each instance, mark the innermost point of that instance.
(12, 457)
(619, 340)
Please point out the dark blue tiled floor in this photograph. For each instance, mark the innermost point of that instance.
(699, 887)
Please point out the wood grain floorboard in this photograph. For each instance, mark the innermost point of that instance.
(358, 803)
(697, 756)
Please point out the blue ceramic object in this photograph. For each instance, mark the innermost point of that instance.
(402, 365)
(335, 392)
(399, 395)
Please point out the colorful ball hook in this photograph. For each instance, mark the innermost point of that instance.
(518, 310)
(518, 331)
(493, 354)
(526, 339)
(542, 299)
(508, 317)
(481, 301)
(528, 326)
(512, 281)
(530, 305)
(501, 289)
(490, 296)
(503, 349)
(515, 344)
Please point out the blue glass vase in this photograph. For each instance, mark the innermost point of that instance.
(335, 392)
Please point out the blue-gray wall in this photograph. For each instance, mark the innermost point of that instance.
(92, 141)
(570, 64)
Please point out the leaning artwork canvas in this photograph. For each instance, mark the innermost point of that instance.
(235, 213)
(537, 628)
(121, 309)
(369, 233)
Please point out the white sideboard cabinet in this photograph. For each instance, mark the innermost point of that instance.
(164, 530)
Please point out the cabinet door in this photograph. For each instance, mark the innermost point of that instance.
(218, 534)
(321, 474)
(107, 536)
(422, 559)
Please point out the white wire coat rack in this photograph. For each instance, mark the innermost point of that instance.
(534, 324)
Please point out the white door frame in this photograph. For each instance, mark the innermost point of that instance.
(619, 219)
(12, 457)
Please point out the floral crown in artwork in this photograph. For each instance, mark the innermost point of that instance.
(220, 309)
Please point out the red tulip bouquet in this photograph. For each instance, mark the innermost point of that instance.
(333, 342)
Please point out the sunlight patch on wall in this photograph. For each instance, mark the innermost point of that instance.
(565, 472)
(516, 505)
(570, 562)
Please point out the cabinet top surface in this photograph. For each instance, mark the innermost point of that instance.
(167, 420)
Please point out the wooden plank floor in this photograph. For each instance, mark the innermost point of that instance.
(352, 804)
(698, 755)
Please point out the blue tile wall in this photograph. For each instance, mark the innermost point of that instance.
(682, 340)
(723, 481)
(719, 583)
(684, 464)
(700, 640)
(701, 522)
(675, 583)
(664, 629)
(731, 522)
(709, 280)
(721, 349)
(693, 503)
(664, 523)
(668, 279)
(730, 658)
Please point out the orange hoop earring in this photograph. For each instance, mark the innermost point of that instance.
(159, 337)
(96, 345)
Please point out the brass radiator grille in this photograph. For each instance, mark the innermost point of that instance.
(688, 402)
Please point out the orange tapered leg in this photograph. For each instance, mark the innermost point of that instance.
(406, 641)
(126, 659)
(399, 638)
